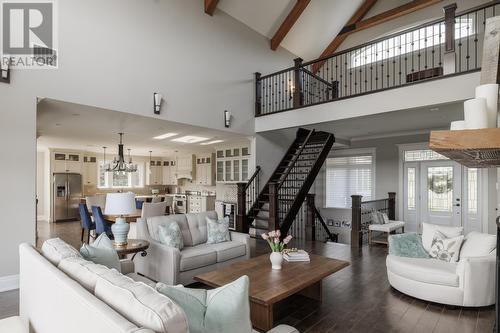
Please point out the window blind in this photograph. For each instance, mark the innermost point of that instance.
(346, 176)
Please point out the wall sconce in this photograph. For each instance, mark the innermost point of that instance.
(157, 98)
(227, 118)
(5, 70)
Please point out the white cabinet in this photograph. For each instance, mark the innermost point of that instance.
(186, 166)
(67, 162)
(89, 170)
(154, 173)
(205, 169)
(200, 203)
(169, 171)
(232, 165)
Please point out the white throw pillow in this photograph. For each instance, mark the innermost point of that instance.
(477, 244)
(385, 218)
(141, 304)
(55, 250)
(376, 218)
(83, 271)
(171, 235)
(102, 252)
(428, 231)
(446, 249)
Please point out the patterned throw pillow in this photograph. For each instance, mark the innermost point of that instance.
(376, 218)
(218, 231)
(446, 249)
(384, 218)
(170, 234)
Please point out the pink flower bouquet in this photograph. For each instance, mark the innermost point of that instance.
(273, 239)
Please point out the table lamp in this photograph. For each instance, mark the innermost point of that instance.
(120, 204)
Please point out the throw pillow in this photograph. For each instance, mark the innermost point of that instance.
(428, 231)
(221, 310)
(477, 244)
(218, 231)
(171, 235)
(376, 218)
(384, 218)
(102, 252)
(407, 245)
(446, 249)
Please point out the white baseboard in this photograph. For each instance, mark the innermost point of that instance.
(9, 282)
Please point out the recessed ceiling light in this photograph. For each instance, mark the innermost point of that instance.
(434, 109)
(211, 142)
(190, 139)
(164, 136)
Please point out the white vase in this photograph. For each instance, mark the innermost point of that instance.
(120, 231)
(475, 113)
(276, 260)
(490, 93)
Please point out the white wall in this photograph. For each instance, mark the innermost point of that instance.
(114, 54)
(42, 173)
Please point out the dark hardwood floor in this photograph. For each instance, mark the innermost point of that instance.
(355, 299)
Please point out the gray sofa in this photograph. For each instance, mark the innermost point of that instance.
(173, 266)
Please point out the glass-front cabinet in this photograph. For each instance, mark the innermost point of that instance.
(232, 164)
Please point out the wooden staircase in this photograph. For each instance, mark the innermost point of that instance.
(278, 203)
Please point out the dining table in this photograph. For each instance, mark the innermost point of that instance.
(128, 218)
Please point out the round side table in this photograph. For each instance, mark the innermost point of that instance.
(133, 246)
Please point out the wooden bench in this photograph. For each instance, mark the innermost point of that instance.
(387, 228)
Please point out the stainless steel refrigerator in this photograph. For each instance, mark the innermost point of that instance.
(67, 196)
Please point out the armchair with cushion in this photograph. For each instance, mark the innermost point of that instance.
(468, 282)
(171, 265)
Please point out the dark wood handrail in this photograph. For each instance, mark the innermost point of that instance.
(320, 218)
(295, 158)
(255, 173)
(320, 79)
(376, 200)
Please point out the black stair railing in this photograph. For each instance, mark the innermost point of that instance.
(248, 194)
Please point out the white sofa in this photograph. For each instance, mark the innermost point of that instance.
(468, 282)
(173, 266)
(53, 302)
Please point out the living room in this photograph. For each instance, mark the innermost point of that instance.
(355, 195)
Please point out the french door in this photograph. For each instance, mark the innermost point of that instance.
(440, 192)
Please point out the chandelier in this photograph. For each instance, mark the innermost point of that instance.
(119, 164)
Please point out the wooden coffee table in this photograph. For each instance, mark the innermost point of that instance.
(267, 286)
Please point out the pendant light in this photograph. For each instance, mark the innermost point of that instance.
(119, 164)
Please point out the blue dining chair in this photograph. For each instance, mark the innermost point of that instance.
(101, 225)
(86, 221)
(138, 203)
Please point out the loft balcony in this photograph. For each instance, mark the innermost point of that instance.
(441, 49)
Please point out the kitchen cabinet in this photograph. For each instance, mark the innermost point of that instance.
(186, 166)
(200, 203)
(66, 162)
(154, 173)
(89, 170)
(232, 165)
(169, 171)
(205, 169)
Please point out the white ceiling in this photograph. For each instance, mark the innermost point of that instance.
(320, 22)
(72, 126)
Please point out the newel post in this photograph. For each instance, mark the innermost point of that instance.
(356, 239)
(391, 213)
(449, 39)
(273, 207)
(297, 84)
(258, 93)
(310, 217)
(241, 213)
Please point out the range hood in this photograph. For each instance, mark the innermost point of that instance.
(184, 175)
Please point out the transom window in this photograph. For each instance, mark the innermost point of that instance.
(346, 176)
(423, 155)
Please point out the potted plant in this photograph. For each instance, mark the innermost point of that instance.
(277, 246)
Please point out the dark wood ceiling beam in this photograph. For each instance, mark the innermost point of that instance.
(288, 23)
(210, 6)
(339, 39)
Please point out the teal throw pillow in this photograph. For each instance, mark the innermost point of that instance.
(222, 310)
(101, 251)
(407, 245)
(218, 231)
(171, 235)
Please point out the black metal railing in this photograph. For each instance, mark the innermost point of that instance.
(252, 189)
(248, 194)
(442, 47)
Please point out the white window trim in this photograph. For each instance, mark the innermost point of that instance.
(352, 152)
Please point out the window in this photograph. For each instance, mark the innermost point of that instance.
(472, 190)
(423, 155)
(411, 41)
(120, 179)
(346, 176)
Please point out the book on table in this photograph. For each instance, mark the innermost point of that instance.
(299, 255)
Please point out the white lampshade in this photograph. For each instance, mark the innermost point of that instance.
(120, 203)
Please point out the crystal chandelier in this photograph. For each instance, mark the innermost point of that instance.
(120, 164)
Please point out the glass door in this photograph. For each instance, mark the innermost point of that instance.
(411, 189)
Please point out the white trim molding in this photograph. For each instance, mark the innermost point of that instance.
(9, 282)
